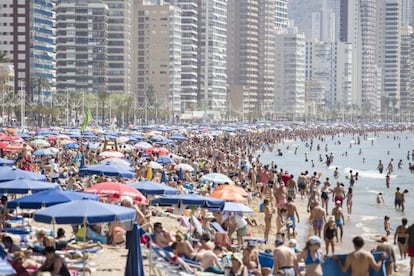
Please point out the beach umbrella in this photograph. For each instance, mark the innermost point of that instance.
(180, 174)
(84, 211)
(155, 165)
(159, 150)
(6, 162)
(13, 173)
(154, 188)
(40, 143)
(235, 207)
(71, 146)
(116, 190)
(232, 188)
(134, 265)
(164, 160)
(143, 145)
(228, 195)
(23, 186)
(184, 167)
(217, 178)
(108, 169)
(111, 154)
(43, 152)
(118, 161)
(178, 136)
(12, 138)
(48, 198)
(189, 199)
(16, 147)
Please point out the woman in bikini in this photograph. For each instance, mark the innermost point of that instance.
(312, 257)
(349, 197)
(400, 236)
(268, 214)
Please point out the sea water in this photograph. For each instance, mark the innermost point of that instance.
(367, 217)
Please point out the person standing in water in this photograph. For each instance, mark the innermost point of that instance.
(400, 236)
(339, 219)
(380, 167)
(387, 181)
(349, 196)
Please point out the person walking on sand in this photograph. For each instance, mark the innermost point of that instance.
(339, 219)
(317, 218)
(268, 214)
(339, 193)
(359, 261)
(410, 237)
(329, 233)
(291, 211)
(400, 236)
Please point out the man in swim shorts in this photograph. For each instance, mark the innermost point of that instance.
(290, 216)
(339, 219)
(317, 218)
(339, 193)
(410, 233)
(284, 259)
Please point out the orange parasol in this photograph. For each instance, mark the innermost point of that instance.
(231, 188)
(228, 195)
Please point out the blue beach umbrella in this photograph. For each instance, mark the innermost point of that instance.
(154, 188)
(108, 169)
(189, 199)
(164, 160)
(178, 136)
(6, 162)
(48, 198)
(84, 211)
(43, 152)
(13, 173)
(134, 265)
(71, 146)
(23, 186)
(234, 207)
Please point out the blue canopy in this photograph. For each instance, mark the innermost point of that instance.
(43, 152)
(190, 199)
(134, 265)
(154, 188)
(23, 186)
(71, 146)
(48, 198)
(13, 173)
(6, 162)
(108, 169)
(84, 211)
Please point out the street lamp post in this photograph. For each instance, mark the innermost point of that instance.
(22, 103)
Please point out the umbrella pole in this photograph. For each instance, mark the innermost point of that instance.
(83, 251)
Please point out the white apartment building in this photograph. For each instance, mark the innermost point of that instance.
(388, 51)
(281, 14)
(212, 62)
(119, 46)
(189, 49)
(289, 90)
(159, 55)
(406, 71)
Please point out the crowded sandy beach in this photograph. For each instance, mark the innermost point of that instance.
(258, 199)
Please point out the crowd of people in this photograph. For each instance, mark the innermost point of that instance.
(234, 155)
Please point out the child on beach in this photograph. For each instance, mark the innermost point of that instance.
(387, 225)
(380, 198)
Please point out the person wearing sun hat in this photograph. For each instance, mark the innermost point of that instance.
(237, 267)
(312, 257)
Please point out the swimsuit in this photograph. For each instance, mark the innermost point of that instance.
(339, 222)
(287, 271)
(317, 223)
(324, 195)
(309, 259)
(292, 219)
(401, 240)
(330, 233)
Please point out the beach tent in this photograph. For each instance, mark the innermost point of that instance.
(48, 198)
(13, 173)
(154, 188)
(134, 265)
(217, 178)
(189, 199)
(84, 211)
(108, 169)
(24, 186)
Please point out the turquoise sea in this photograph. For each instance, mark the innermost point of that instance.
(367, 216)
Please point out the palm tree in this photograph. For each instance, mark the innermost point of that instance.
(40, 83)
(4, 58)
